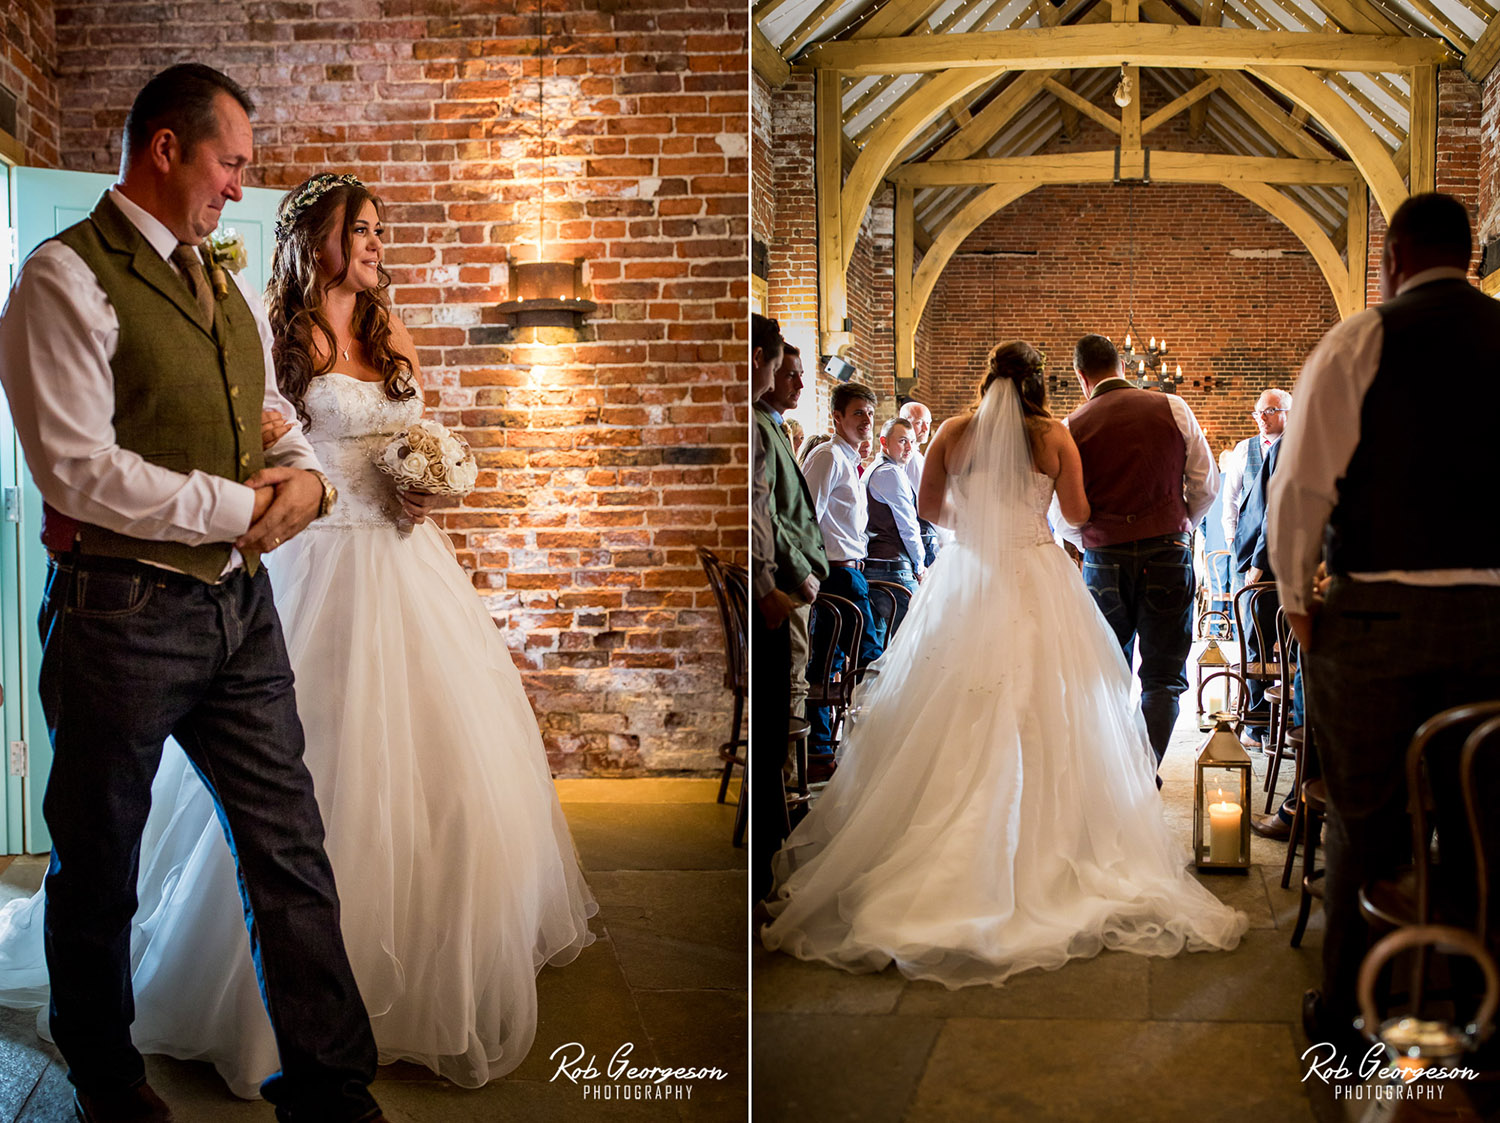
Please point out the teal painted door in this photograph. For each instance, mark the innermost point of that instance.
(42, 202)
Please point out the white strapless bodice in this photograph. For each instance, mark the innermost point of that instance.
(352, 422)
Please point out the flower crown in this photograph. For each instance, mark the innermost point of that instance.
(313, 190)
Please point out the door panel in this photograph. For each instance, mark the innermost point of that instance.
(44, 201)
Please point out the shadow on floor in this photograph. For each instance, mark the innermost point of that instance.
(666, 977)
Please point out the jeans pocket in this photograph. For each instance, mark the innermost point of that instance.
(102, 595)
(1167, 587)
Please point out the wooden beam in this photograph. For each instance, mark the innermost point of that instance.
(809, 27)
(1269, 116)
(1346, 127)
(1107, 44)
(767, 59)
(1181, 102)
(1082, 105)
(1357, 225)
(1130, 115)
(1213, 16)
(1359, 17)
(895, 17)
(1422, 131)
(828, 159)
(903, 257)
(988, 122)
(1485, 53)
(1099, 167)
(906, 119)
(765, 9)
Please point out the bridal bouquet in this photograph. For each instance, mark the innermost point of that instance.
(427, 457)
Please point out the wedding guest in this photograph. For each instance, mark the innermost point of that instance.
(1150, 478)
(1248, 455)
(1410, 623)
(793, 429)
(811, 443)
(894, 550)
(116, 358)
(1252, 559)
(839, 501)
(801, 561)
(920, 419)
(770, 637)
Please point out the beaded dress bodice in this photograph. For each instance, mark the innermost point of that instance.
(352, 422)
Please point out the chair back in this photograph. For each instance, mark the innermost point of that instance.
(730, 585)
(1481, 716)
(1421, 938)
(889, 601)
(1248, 625)
(1486, 739)
(1289, 652)
(1214, 599)
(843, 618)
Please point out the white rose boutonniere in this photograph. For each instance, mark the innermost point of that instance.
(225, 249)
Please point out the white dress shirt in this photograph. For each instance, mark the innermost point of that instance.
(1200, 475)
(889, 484)
(58, 333)
(1321, 436)
(832, 474)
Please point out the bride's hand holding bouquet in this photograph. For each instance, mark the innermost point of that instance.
(429, 464)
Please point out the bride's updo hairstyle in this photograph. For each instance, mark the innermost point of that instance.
(295, 297)
(1022, 364)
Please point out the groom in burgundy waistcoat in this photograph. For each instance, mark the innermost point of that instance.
(1150, 477)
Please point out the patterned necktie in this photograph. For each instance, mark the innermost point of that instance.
(190, 265)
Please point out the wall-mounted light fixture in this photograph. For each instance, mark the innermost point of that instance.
(545, 293)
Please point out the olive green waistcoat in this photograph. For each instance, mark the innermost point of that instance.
(188, 394)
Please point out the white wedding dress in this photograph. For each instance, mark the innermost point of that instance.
(994, 808)
(455, 869)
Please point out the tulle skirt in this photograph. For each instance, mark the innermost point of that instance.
(994, 808)
(455, 869)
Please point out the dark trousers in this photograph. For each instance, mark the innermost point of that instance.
(1145, 591)
(851, 585)
(898, 571)
(132, 655)
(770, 707)
(1383, 659)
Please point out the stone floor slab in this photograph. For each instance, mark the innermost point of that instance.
(1262, 980)
(787, 985)
(654, 836)
(675, 1020)
(677, 929)
(1108, 1071)
(1113, 984)
(836, 1068)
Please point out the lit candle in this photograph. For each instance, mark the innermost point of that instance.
(1152, 345)
(1127, 341)
(1163, 346)
(1142, 368)
(1179, 372)
(1213, 697)
(1224, 831)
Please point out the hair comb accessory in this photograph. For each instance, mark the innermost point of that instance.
(313, 190)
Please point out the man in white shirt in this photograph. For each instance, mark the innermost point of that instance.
(137, 393)
(1270, 416)
(919, 417)
(894, 547)
(1380, 482)
(833, 478)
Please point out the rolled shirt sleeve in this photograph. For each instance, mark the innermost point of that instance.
(1200, 475)
(1321, 435)
(888, 483)
(1233, 479)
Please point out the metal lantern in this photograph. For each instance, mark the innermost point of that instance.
(1221, 801)
(1216, 696)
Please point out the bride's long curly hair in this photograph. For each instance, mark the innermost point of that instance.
(295, 298)
(1022, 364)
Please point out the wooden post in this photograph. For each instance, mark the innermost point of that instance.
(1357, 254)
(1423, 130)
(904, 254)
(833, 298)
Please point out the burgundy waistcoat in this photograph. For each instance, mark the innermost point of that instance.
(1133, 459)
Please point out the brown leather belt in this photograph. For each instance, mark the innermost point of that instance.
(848, 564)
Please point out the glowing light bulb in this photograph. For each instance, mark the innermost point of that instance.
(1127, 341)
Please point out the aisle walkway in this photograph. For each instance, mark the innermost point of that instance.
(1201, 1038)
(666, 974)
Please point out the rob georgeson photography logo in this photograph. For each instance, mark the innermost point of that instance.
(620, 1079)
(1398, 1080)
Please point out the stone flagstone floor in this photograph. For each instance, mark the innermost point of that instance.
(667, 974)
(1202, 1038)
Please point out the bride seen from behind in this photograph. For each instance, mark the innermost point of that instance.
(995, 807)
(455, 868)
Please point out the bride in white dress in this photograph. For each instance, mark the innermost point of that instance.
(455, 869)
(995, 807)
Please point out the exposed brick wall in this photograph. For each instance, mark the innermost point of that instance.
(28, 68)
(1245, 321)
(872, 296)
(605, 461)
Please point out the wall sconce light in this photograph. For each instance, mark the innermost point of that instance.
(545, 293)
(841, 369)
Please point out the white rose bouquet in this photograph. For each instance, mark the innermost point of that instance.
(428, 457)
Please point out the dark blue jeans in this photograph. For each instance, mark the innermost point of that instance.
(1145, 591)
(1383, 659)
(851, 585)
(898, 571)
(132, 655)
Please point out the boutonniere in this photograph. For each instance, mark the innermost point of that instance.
(225, 249)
